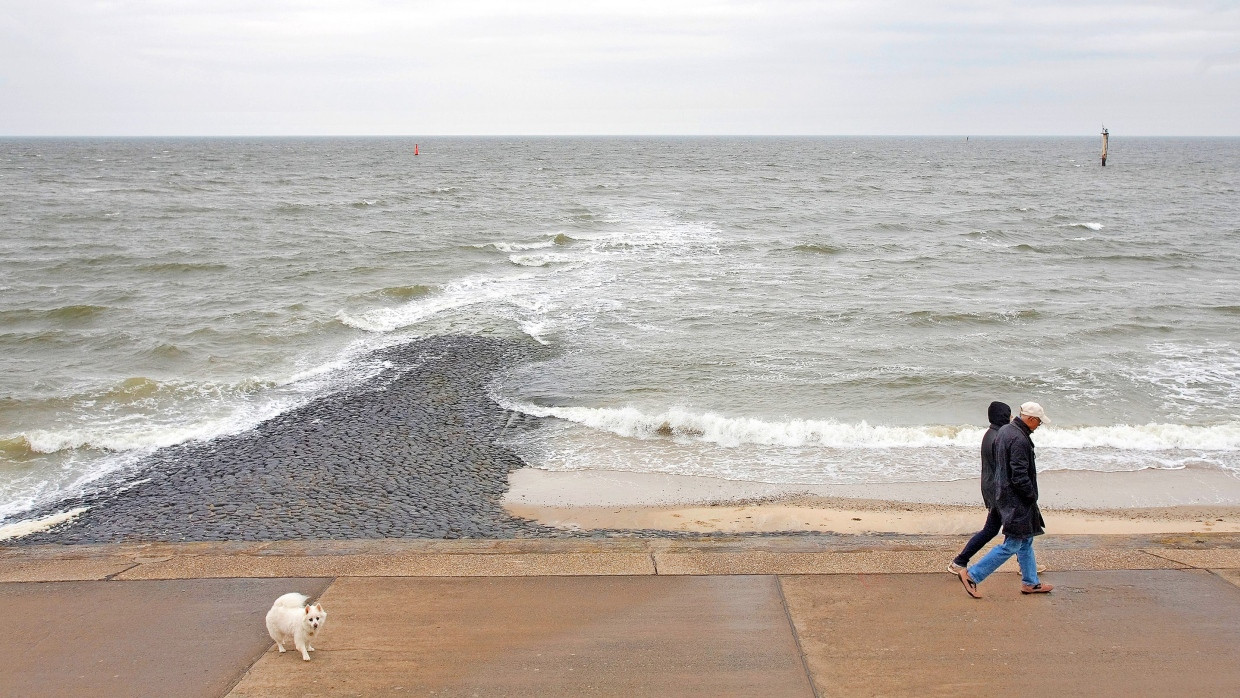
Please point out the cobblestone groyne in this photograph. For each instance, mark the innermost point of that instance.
(411, 453)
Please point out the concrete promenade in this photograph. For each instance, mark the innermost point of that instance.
(758, 616)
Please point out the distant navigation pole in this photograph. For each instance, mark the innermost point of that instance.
(1104, 152)
(1105, 134)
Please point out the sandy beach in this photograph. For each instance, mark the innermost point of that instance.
(1074, 502)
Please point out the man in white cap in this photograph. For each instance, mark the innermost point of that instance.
(1016, 487)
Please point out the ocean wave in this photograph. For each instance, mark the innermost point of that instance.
(141, 436)
(1193, 377)
(293, 207)
(1144, 437)
(1167, 256)
(401, 292)
(887, 226)
(165, 351)
(647, 230)
(170, 417)
(180, 267)
(1089, 225)
(77, 312)
(16, 447)
(46, 441)
(509, 247)
(537, 260)
(817, 248)
(63, 313)
(457, 294)
(537, 330)
(933, 317)
(140, 390)
(560, 239)
(990, 238)
(678, 423)
(590, 264)
(734, 431)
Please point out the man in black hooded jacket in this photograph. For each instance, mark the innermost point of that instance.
(999, 414)
(1016, 490)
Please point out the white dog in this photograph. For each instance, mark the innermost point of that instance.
(291, 619)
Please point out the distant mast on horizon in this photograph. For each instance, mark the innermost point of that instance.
(1105, 136)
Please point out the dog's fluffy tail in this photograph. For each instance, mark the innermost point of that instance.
(292, 600)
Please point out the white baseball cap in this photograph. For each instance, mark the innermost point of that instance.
(1033, 409)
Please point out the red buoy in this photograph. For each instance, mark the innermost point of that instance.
(415, 148)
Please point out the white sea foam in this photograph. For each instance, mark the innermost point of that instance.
(678, 423)
(147, 437)
(516, 246)
(1194, 377)
(537, 260)
(457, 294)
(25, 528)
(1091, 225)
(537, 330)
(583, 265)
(568, 446)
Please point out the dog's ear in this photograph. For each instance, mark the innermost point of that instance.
(319, 606)
(307, 609)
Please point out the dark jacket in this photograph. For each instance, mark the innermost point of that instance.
(999, 414)
(1016, 481)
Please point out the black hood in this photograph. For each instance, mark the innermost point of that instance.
(999, 413)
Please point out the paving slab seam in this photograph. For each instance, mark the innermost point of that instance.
(467, 565)
(796, 637)
(1225, 578)
(114, 575)
(259, 657)
(482, 547)
(1181, 563)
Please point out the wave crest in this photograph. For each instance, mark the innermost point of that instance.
(679, 423)
(817, 248)
(735, 431)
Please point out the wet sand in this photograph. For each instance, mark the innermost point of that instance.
(1074, 502)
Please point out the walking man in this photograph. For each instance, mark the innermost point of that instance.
(1016, 490)
(999, 414)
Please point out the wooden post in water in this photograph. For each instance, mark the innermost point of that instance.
(1105, 134)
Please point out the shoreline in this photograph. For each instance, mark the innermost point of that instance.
(1074, 502)
(416, 452)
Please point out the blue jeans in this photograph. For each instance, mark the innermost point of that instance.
(1022, 548)
(979, 540)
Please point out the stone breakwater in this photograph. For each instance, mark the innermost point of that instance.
(411, 453)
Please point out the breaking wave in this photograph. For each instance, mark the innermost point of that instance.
(679, 423)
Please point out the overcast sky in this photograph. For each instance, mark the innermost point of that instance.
(265, 67)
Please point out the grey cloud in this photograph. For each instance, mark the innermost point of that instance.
(555, 66)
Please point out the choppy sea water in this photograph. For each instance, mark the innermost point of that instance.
(806, 310)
